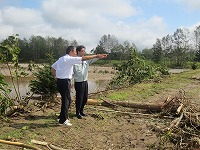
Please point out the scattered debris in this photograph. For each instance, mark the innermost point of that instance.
(184, 129)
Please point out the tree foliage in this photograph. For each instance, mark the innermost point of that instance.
(197, 44)
(5, 100)
(116, 50)
(157, 51)
(36, 47)
(44, 83)
(132, 71)
(9, 51)
(173, 50)
(180, 45)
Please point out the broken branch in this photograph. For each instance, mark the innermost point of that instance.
(19, 144)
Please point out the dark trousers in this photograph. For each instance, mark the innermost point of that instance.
(81, 95)
(64, 90)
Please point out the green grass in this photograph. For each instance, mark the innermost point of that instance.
(119, 96)
(140, 92)
(13, 134)
(23, 129)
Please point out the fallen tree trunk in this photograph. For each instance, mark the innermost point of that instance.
(149, 107)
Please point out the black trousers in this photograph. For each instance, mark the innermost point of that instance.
(64, 90)
(81, 95)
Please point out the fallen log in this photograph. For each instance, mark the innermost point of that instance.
(94, 102)
(149, 107)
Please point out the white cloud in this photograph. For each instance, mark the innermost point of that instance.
(194, 26)
(5, 31)
(60, 14)
(144, 32)
(22, 21)
(88, 20)
(77, 13)
(114, 8)
(20, 16)
(191, 4)
(84, 20)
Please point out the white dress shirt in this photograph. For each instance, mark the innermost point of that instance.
(64, 66)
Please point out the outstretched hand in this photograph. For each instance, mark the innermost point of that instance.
(102, 55)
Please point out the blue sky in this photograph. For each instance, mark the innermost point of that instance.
(138, 21)
(175, 14)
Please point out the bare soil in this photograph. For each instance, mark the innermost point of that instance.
(100, 73)
(99, 130)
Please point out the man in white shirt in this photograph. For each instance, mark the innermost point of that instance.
(80, 82)
(62, 70)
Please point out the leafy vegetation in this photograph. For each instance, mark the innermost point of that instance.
(9, 52)
(44, 83)
(134, 70)
(5, 101)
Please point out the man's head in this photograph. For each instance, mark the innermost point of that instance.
(80, 50)
(71, 50)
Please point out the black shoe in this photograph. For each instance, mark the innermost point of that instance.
(79, 116)
(82, 114)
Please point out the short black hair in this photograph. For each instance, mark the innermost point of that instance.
(69, 49)
(78, 48)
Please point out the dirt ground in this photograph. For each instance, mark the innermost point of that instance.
(100, 130)
(103, 129)
(100, 73)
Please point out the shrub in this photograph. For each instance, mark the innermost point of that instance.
(133, 71)
(44, 83)
(5, 101)
(9, 51)
(194, 66)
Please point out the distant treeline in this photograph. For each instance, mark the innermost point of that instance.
(172, 50)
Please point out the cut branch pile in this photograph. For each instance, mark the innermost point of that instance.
(184, 129)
